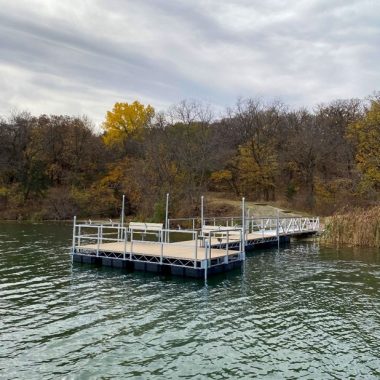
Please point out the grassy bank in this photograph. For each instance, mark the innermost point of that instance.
(356, 227)
(63, 206)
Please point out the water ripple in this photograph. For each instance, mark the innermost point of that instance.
(304, 312)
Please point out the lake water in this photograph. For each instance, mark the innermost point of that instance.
(304, 312)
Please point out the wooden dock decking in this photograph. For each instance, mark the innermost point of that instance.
(172, 250)
(178, 250)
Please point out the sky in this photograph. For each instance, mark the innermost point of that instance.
(80, 57)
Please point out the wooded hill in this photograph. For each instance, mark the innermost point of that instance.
(54, 167)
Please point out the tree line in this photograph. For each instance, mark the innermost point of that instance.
(54, 167)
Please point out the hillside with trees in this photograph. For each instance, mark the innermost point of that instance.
(57, 166)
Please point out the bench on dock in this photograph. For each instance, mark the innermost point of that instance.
(146, 227)
(221, 231)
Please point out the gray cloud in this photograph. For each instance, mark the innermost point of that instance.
(81, 57)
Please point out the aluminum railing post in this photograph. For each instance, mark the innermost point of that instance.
(195, 235)
(167, 213)
(122, 211)
(125, 243)
(228, 241)
(97, 249)
(206, 258)
(131, 235)
(209, 252)
(74, 230)
(202, 212)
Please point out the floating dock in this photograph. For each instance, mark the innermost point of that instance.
(217, 245)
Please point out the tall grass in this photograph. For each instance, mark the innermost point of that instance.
(356, 227)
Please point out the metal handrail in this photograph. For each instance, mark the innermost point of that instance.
(126, 236)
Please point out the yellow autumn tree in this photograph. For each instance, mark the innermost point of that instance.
(366, 136)
(126, 121)
(223, 180)
(257, 168)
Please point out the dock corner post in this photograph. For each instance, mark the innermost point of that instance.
(242, 245)
(195, 249)
(202, 212)
(167, 216)
(123, 211)
(125, 242)
(206, 258)
(131, 236)
(161, 251)
(243, 219)
(248, 220)
(227, 244)
(74, 231)
(98, 245)
(79, 235)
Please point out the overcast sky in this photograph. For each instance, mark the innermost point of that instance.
(80, 57)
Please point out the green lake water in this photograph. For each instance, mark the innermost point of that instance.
(306, 311)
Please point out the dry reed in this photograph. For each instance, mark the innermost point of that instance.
(357, 227)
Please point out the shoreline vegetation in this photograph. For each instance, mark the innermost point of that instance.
(53, 167)
(356, 227)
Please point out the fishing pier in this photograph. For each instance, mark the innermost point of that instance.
(191, 247)
(149, 247)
